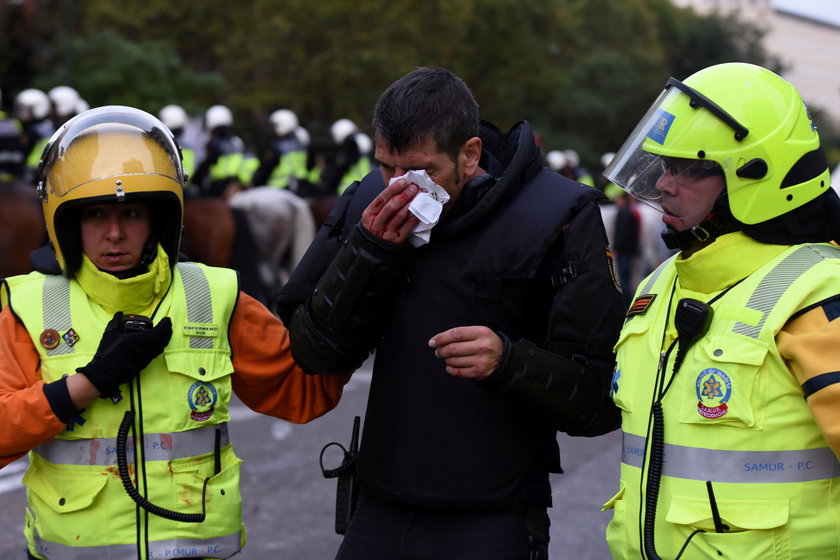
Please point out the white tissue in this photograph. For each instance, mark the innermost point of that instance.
(427, 205)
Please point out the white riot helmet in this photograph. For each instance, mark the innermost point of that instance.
(216, 116)
(341, 129)
(32, 104)
(174, 117)
(556, 160)
(64, 100)
(364, 143)
(302, 136)
(283, 121)
(572, 158)
(607, 158)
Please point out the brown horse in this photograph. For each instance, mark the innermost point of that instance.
(209, 230)
(22, 223)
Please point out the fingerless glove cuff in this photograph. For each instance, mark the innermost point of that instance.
(59, 398)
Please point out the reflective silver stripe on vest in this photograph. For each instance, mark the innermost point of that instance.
(56, 304)
(655, 275)
(218, 547)
(157, 447)
(777, 281)
(697, 463)
(199, 303)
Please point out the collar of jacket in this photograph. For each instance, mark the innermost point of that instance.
(139, 294)
(513, 158)
(720, 264)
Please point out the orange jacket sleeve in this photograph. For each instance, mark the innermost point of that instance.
(266, 377)
(26, 417)
(809, 345)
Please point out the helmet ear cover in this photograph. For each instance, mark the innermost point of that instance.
(816, 221)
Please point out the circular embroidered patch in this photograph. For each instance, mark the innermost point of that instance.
(713, 391)
(49, 339)
(202, 397)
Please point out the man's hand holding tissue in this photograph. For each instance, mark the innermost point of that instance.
(388, 216)
(472, 352)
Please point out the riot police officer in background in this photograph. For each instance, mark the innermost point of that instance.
(226, 164)
(32, 110)
(176, 119)
(284, 165)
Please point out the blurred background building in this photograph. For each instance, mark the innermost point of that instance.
(803, 34)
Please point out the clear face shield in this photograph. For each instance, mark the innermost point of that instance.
(662, 149)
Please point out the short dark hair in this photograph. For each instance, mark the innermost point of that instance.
(426, 103)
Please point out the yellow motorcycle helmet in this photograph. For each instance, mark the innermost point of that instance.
(736, 119)
(110, 154)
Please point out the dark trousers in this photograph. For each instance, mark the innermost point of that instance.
(393, 531)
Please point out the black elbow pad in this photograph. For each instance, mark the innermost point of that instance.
(571, 395)
(343, 319)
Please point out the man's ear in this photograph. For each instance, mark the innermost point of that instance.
(470, 155)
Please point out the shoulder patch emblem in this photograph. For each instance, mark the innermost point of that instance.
(640, 304)
(613, 272)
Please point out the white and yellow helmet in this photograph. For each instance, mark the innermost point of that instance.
(110, 154)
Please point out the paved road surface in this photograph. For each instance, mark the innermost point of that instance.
(288, 506)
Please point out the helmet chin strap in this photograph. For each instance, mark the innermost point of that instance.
(716, 223)
(679, 240)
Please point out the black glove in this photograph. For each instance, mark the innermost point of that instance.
(122, 353)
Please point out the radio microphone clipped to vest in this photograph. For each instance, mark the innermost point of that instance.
(692, 320)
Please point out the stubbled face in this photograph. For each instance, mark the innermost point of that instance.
(449, 173)
(113, 235)
(687, 199)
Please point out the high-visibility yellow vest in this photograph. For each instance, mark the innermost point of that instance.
(78, 507)
(235, 165)
(289, 170)
(33, 159)
(733, 415)
(188, 161)
(356, 172)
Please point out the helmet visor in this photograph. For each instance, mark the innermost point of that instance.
(656, 149)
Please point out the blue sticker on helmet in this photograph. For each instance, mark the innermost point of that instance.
(661, 125)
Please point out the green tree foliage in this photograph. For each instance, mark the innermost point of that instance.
(147, 74)
(583, 72)
(712, 39)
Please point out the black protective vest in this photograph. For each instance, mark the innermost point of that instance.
(436, 440)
